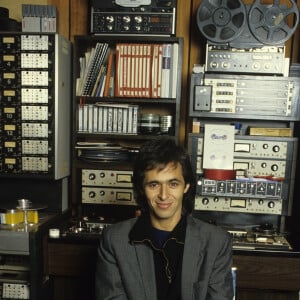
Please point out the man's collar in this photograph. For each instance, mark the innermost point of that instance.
(142, 229)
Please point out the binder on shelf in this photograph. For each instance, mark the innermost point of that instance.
(166, 70)
(98, 57)
(93, 56)
(147, 72)
(154, 71)
(174, 70)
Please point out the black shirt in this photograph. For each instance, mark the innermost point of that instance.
(167, 252)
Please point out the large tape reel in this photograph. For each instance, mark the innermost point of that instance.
(273, 24)
(221, 21)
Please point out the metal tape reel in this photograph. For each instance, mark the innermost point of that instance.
(273, 24)
(221, 21)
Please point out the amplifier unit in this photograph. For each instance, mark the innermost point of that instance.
(106, 178)
(258, 156)
(244, 96)
(265, 176)
(265, 60)
(34, 121)
(145, 17)
(239, 204)
(104, 195)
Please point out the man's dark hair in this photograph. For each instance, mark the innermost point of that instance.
(158, 153)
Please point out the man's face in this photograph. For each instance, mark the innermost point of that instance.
(164, 189)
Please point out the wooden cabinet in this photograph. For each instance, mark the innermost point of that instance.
(265, 277)
(108, 128)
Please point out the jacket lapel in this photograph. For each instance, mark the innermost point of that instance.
(147, 270)
(192, 259)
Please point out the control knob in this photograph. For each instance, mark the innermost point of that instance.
(92, 176)
(271, 204)
(138, 19)
(205, 201)
(126, 19)
(110, 19)
(92, 194)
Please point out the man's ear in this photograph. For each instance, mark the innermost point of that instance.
(186, 188)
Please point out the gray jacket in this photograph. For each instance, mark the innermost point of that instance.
(126, 271)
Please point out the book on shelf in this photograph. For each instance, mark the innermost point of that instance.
(174, 70)
(119, 71)
(159, 67)
(147, 70)
(166, 70)
(155, 71)
(130, 70)
(98, 88)
(109, 75)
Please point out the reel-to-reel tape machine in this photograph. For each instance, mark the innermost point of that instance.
(240, 25)
(247, 38)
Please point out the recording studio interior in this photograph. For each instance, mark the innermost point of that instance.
(84, 83)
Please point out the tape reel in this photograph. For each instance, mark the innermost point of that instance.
(221, 21)
(273, 24)
(224, 21)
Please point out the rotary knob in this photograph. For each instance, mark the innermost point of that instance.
(263, 165)
(276, 148)
(92, 176)
(110, 19)
(271, 204)
(205, 201)
(126, 19)
(92, 194)
(260, 201)
(138, 19)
